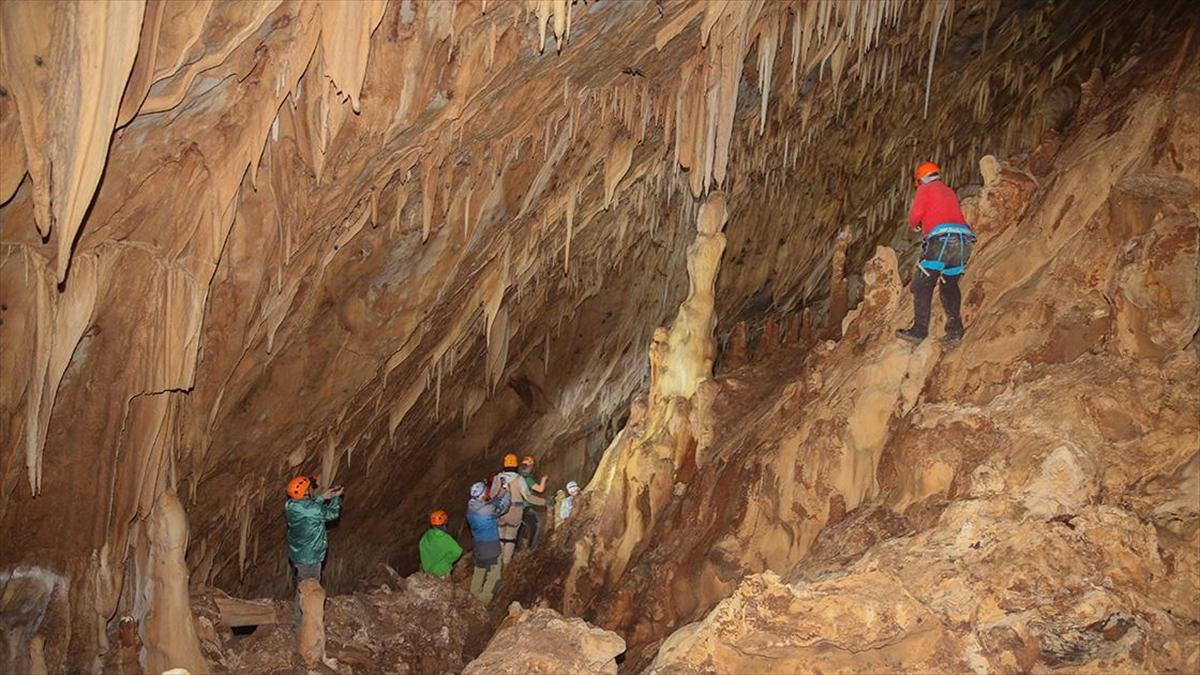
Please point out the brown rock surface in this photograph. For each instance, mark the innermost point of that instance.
(417, 624)
(1024, 501)
(543, 641)
(385, 241)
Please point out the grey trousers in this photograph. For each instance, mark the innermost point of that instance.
(303, 572)
(484, 580)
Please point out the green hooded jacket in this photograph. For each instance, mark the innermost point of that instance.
(438, 552)
(306, 518)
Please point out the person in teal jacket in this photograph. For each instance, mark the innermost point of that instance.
(439, 550)
(307, 539)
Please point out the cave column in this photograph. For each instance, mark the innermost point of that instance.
(681, 358)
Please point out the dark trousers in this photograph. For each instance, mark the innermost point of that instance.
(946, 252)
(922, 288)
(531, 527)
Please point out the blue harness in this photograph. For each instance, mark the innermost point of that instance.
(948, 230)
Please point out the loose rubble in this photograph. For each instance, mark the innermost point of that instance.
(393, 624)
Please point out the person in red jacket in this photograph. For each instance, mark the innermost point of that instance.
(945, 247)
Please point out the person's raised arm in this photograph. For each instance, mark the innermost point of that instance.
(331, 509)
(528, 497)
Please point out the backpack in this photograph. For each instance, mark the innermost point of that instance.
(487, 493)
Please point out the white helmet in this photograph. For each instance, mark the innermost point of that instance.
(572, 487)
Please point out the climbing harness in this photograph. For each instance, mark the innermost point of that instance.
(947, 232)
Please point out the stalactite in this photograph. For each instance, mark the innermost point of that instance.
(69, 108)
(941, 7)
(572, 196)
(768, 40)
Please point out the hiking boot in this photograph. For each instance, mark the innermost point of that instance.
(952, 339)
(910, 334)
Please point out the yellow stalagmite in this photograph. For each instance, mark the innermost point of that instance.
(686, 357)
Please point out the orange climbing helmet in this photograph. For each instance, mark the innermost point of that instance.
(438, 517)
(297, 487)
(510, 460)
(527, 459)
(925, 169)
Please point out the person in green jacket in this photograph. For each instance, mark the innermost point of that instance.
(439, 550)
(307, 540)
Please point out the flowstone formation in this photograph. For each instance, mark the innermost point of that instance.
(384, 241)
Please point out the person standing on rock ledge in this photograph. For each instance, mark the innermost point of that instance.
(307, 539)
(483, 516)
(945, 247)
(439, 551)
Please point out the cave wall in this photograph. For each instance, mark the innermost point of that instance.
(914, 507)
(386, 241)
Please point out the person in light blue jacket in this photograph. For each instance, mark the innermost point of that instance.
(566, 504)
(483, 516)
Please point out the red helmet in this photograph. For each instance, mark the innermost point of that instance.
(925, 169)
(438, 517)
(297, 487)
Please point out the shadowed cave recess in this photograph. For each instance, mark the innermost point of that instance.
(661, 245)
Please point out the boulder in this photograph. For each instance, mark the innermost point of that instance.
(542, 641)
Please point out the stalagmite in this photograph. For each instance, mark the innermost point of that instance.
(688, 351)
(161, 605)
(310, 638)
(838, 293)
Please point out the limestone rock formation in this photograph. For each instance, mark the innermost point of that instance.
(310, 637)
(162, 608)
(543, 641)
(386, 241)
(1023, 501)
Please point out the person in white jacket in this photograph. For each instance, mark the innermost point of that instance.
(512, 481)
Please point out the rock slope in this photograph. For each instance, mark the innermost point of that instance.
(1025, 501)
